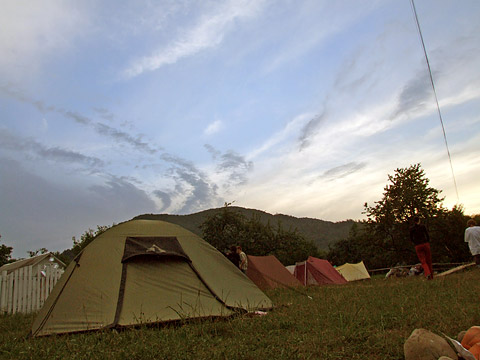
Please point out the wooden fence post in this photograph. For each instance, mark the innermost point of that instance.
(10, 293)
(16, 290)
(38, 288)
(25, 290)
(29, 289)
(3, 291)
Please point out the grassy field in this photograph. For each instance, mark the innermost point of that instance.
(362, 320)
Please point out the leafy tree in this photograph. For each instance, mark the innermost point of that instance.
(407, 195)
(86, 238)
(78, 245)
(5, 254)
(228, 228)
(36, 252)
(447, 232)
(224, 229)
(384, 239)
(292, 247)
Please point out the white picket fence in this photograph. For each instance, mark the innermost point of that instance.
(26, 289)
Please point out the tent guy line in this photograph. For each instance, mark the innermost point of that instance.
(435, 96)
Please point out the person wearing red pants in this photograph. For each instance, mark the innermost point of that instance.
(419, 236)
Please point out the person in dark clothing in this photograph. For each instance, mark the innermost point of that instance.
(421, 239)
(233, 256)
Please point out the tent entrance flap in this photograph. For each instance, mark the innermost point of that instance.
(160, 290)
(153, 246)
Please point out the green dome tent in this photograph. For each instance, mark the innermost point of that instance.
(145, 271)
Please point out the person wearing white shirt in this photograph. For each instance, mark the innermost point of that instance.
(472, 237)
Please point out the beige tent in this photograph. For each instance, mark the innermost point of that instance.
(145, 271)
(352, 272)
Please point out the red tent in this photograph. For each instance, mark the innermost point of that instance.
(317, 272)
(267, 272)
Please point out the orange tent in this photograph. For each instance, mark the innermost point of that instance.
(267, 272)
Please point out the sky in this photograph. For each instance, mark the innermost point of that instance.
(113, 109)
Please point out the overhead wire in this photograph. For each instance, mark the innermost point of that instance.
(435, 95)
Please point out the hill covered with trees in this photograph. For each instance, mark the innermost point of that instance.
(321, 233)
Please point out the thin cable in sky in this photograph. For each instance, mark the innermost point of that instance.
(435, 95)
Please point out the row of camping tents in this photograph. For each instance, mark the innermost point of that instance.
(151, 271)
(267, 272)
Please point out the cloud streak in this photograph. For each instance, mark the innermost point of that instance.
(102, 129)
(236, 167)
(193, 188)
(124, 138)
(213, 128)
(311, 128)
(342, 171)
(209, 32)
(9, 141)
(414, 95)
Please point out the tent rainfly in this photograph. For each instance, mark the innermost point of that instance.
(316, 271)
(267, 272)
(353, 272)
(145, 271)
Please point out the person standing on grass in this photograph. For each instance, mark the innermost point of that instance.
(421, 239)
(243, 260)
(472, 237)
(233, 256)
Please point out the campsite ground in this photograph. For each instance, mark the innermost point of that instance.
(361, 320)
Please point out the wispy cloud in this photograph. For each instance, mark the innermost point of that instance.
(214, 152)
(231, 169)
(200, 194)
(331, 18)
(414, 95)
(165, 199)
(124, 138)
(123, 195)
(290, 131)
(213, 128)
(207, 33)
(193, 189)
(105, 130)
(343, 170)
(236, 166)
(311, 128)
(9, 141)
(105, 113)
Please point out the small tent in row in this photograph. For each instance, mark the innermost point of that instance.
(267, 272)
(145, 271)
(316, 271)
(353, 272)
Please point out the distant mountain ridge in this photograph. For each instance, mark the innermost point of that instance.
(321, 232)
